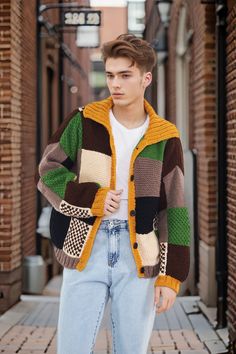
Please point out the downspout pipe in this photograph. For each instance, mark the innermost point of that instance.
(61, 72)
(221, 242)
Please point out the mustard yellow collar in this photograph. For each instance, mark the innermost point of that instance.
(158, 129)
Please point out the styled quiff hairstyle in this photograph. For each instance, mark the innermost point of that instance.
(129, 46)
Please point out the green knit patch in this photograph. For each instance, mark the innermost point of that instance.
(71, 139)
(154, 151)
(57, 180)
(178, 226)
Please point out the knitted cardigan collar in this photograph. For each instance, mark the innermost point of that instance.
(159, 128)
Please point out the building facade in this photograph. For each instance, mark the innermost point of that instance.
(17, 148)
(194, 86)
(43, 76)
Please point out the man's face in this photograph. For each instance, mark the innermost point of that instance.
(125, 81)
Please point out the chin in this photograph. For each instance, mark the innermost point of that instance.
(121, 102)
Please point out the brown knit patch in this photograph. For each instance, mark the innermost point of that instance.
(151, 271)
(147, 174)
(95, 137)
(178, 261)
(49, 195)
(163, 201)
(162, 227)
(64, 259)
(57, 155)
(173, 156)
(81, 194)
(174, 188)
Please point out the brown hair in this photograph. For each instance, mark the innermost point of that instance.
(136, 49)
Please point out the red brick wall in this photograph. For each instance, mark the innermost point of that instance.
(203, 93)
(231, 168)
(28, 127)
(10, 124)
(17, 148)
(10, 152)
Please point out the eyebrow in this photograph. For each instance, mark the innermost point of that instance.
(120, 72)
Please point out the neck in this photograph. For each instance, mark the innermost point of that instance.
(131, 116)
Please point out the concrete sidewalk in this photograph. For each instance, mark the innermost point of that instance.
(188, 327)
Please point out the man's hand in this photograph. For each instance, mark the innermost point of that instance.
(168, 298)
(112, 201)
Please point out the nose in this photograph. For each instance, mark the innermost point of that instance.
(115, 82)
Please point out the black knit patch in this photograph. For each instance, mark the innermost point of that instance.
(89, 221)
(68, 163)
(146, 208)
(59, 225)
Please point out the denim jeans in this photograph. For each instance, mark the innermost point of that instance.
(110, 272)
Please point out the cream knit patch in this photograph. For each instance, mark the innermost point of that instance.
(95, 167)
(148, 248)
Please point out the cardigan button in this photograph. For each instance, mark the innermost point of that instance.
(135, 245)
(132, 177)
(133, 213)
(142, 269)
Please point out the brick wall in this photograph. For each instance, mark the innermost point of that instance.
(231, 169)
(28, 127)
(10, 148)
(17, 151)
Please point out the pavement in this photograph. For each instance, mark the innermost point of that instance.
(29, 327)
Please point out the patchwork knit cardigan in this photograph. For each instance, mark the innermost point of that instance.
(77, 170)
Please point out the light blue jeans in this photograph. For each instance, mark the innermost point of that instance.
(110, 272)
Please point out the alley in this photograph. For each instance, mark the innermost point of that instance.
(188, 327)
(175, 163)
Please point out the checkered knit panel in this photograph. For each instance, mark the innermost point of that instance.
(76, 237)
(72, 210)
(163, 257)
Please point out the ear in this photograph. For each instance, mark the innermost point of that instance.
(147, 79)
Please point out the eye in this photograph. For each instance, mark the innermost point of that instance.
(109, 76)
(125, 76)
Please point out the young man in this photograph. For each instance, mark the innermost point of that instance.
(114, 175)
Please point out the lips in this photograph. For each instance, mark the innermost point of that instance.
(117, 94)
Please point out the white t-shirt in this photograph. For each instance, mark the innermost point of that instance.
(125, 141)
